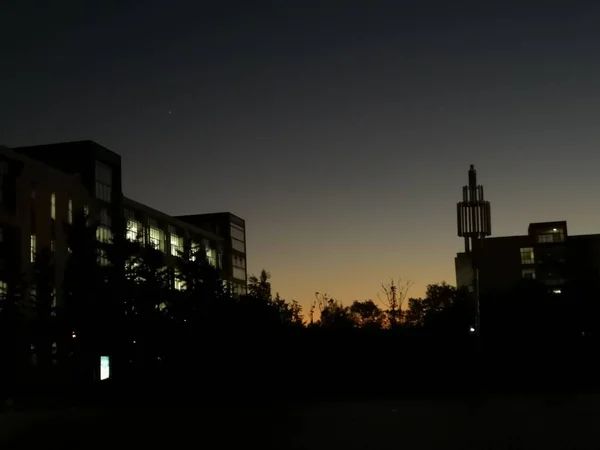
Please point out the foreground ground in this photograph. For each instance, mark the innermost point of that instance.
(564, 422)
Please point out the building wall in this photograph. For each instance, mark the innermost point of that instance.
(173, 235)
(98, 177)
(28, 220)
(546, 254)
(232, 229)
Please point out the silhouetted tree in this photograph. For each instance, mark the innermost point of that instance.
(42, 292)
(367, 314)
(444, 310)
(334, 315)
(393, 296)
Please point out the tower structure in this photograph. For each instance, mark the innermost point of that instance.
(473, 214)
(474, 224)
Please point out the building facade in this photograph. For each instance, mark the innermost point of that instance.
(232, 230)
(37, 202)
(43, 187)
(547, 254)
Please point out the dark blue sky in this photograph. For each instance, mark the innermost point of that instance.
(341, 133)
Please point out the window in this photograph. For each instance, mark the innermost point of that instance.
(155, 235)
(176, 245)
(53, 304)
(211, 253)
(237, 232)
(178, 283)
(53, 206)
(527, 255)
(70, 217)
(239, 274)
(32, 247)
(194, 248)
(103, 182)
(104, 217)
(103, 234)
(239, 289)
(528, 274)
(238, 245)
(238, 261)
(134, 230)
(3, 290)
(553, 235)
(103, 257)
(52, 245)
(1, 234)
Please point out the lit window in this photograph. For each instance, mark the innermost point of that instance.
(3, 290)
(195, 249)
(134, 229)
(53, 206)
(527, 255)
(156, 238)
(70, 218)
(178, 283)
(103, 257)
(103, 234)
(176, 245)
(553, 235)
(528, 274)
(32, 247)
(556, 291)
(103, 182)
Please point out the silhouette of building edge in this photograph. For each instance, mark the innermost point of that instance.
(42, 187)
(546, 254)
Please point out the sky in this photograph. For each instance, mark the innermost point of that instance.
(341, 132)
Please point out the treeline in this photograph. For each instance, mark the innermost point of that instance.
(164, 318)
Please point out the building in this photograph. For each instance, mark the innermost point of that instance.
(232, 230)
(42, 187)
(36, 200)
(547, 253)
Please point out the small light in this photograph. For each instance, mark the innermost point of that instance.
(557, 291)
(472, 330)
(134, 342)
(74, 335)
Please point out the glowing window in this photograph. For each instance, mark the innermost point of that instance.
(527, 256)
(156, 238)
(103, 234)
(176, 245)
(134, 230)
(528, 274)
(53, 206)
(32, 247)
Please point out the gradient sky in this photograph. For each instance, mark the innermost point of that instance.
(342, 134)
